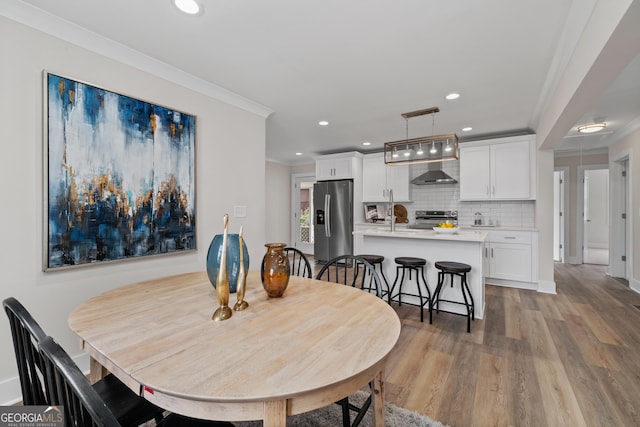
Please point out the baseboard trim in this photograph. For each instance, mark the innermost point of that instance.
(634, 285)
(547, 287)
(572, 260)
(10, 392)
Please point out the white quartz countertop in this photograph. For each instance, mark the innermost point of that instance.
(362, 225)
(461, 236)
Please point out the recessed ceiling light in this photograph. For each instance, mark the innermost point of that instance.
(190, 7)
(467, 129)
(323, 123)
(452, 95)
(366, 143)
(591, 127)
(298, 154)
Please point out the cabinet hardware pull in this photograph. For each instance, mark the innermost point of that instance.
(509, 237)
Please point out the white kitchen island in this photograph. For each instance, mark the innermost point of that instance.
(465, 246)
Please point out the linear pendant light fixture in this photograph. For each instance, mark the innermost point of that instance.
(441, 147)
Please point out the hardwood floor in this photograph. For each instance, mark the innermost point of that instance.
(571, 359)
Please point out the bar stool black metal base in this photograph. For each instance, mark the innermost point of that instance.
(453, 269)
(375, 260)
(416, 265)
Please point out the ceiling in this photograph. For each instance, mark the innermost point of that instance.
(359, 64)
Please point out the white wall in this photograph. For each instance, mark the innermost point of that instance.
(278, 196)
(224, 179)
(278, 199)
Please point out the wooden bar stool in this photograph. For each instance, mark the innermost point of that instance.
(376, 260)
(416, 265)
(453, 269)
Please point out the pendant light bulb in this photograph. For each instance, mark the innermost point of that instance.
(420, 152)
(448, 147)
(394, 154)
(433, 148)
(407, 153)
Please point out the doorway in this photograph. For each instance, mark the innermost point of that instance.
(621, 248)
(302, 206)
(595, 230)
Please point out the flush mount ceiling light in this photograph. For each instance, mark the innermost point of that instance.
(452, 95)
(190, 7)
(591, 127)
(443, 147)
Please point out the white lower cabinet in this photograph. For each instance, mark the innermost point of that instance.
(510, 257)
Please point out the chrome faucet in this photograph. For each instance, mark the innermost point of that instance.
(393, 215)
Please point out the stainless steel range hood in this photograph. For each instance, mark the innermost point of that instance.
(434, 175)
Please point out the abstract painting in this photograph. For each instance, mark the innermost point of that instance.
(120, 178)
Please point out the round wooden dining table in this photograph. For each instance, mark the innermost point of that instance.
(317, 344)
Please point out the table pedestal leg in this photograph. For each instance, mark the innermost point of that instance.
(377, 386)
(96, 371)
(275, 413)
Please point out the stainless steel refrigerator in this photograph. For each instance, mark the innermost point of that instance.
(333, 219)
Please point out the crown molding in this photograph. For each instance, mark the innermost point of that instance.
(52, 25)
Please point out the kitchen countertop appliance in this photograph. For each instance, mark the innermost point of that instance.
(430, 219)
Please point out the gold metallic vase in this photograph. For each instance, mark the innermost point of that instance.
(222, 282)
(241, 304)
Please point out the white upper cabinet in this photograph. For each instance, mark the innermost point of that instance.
(334, 167)
(498, 169)
(378, 179)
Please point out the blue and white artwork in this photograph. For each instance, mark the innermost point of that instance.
(121, 178)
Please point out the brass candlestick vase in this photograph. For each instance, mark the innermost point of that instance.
(241, 304)
(233, 259)
(223, 312)
(275, 270)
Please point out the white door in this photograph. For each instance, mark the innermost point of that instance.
(302, 208)
(558, 216)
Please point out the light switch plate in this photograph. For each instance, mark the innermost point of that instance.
(239, 211)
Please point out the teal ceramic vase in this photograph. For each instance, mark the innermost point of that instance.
(233, 259)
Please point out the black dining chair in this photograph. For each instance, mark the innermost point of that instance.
(127, 407)
(344, 269)
(298, 263)
(68, 388)
(26, 334)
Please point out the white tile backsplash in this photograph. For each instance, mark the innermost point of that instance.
(447, 197)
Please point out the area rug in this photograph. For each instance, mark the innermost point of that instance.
(331, 416)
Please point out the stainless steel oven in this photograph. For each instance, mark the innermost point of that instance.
(430, 219)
